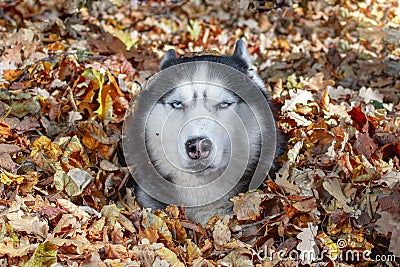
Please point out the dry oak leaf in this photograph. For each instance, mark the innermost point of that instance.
(45, 153)
(308, 247)
(67, 226)
(332, 185)
(303, 203)
(13, 249)
(28, 224)
(175, 227)
(74, 155)
(192, 251)
(283, 176)
(8, 177)
(76, 244)
(74, 209)
(238, 257)
(318, 83)
(201, 262)
(365, 145)
(169, 257)
(116, 251)
(158, 224)
(247, 206)
(389, 223)
(390, 178)
(144, 253)
(221, 233)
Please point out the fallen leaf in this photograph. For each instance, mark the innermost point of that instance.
(9, 148)
(28, 224)
(390, 178)
(369, 94)
(300, 97)
(308, 247)
(170, 257)
(247, 206)
(282, 179)
(238, 257)
(45, 255)
(192, 251)
(7, 163)
(221, 233)
(333, 187)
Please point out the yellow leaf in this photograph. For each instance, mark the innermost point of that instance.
(169, 257)
(125, 37)
(192, 250)
(44, 144)
(7, 178)
(333, 249)
(45, 255)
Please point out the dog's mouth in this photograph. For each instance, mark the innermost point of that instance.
(200, 166)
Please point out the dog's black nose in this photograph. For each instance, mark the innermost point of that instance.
(198, 148)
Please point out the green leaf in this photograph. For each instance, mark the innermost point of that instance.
(194, 29)
(45, 255)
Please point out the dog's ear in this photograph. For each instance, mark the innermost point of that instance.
(242, 53)
(170, 55)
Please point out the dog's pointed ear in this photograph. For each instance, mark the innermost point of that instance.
(170, 55)
(242, 53)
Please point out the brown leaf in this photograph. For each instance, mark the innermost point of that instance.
(7, 163)
(8, 148)
(149, 233)
(74, 155)
(390, 202)
(27, 124)
(239, 257)
(365, 145)
(29, 181)
(334, 57)
(45, 153)
(170, 257)
(145, 254)
(175, 227)
(247, 206)
(192, 251)
(221, 233)
(116, 251)
(303, 203)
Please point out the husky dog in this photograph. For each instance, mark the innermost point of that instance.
(208, 132)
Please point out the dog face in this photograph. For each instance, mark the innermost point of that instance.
(195, 124)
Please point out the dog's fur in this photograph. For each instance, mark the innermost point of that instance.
(215, 104)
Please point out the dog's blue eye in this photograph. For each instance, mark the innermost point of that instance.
(224, 105)
(177, 104)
